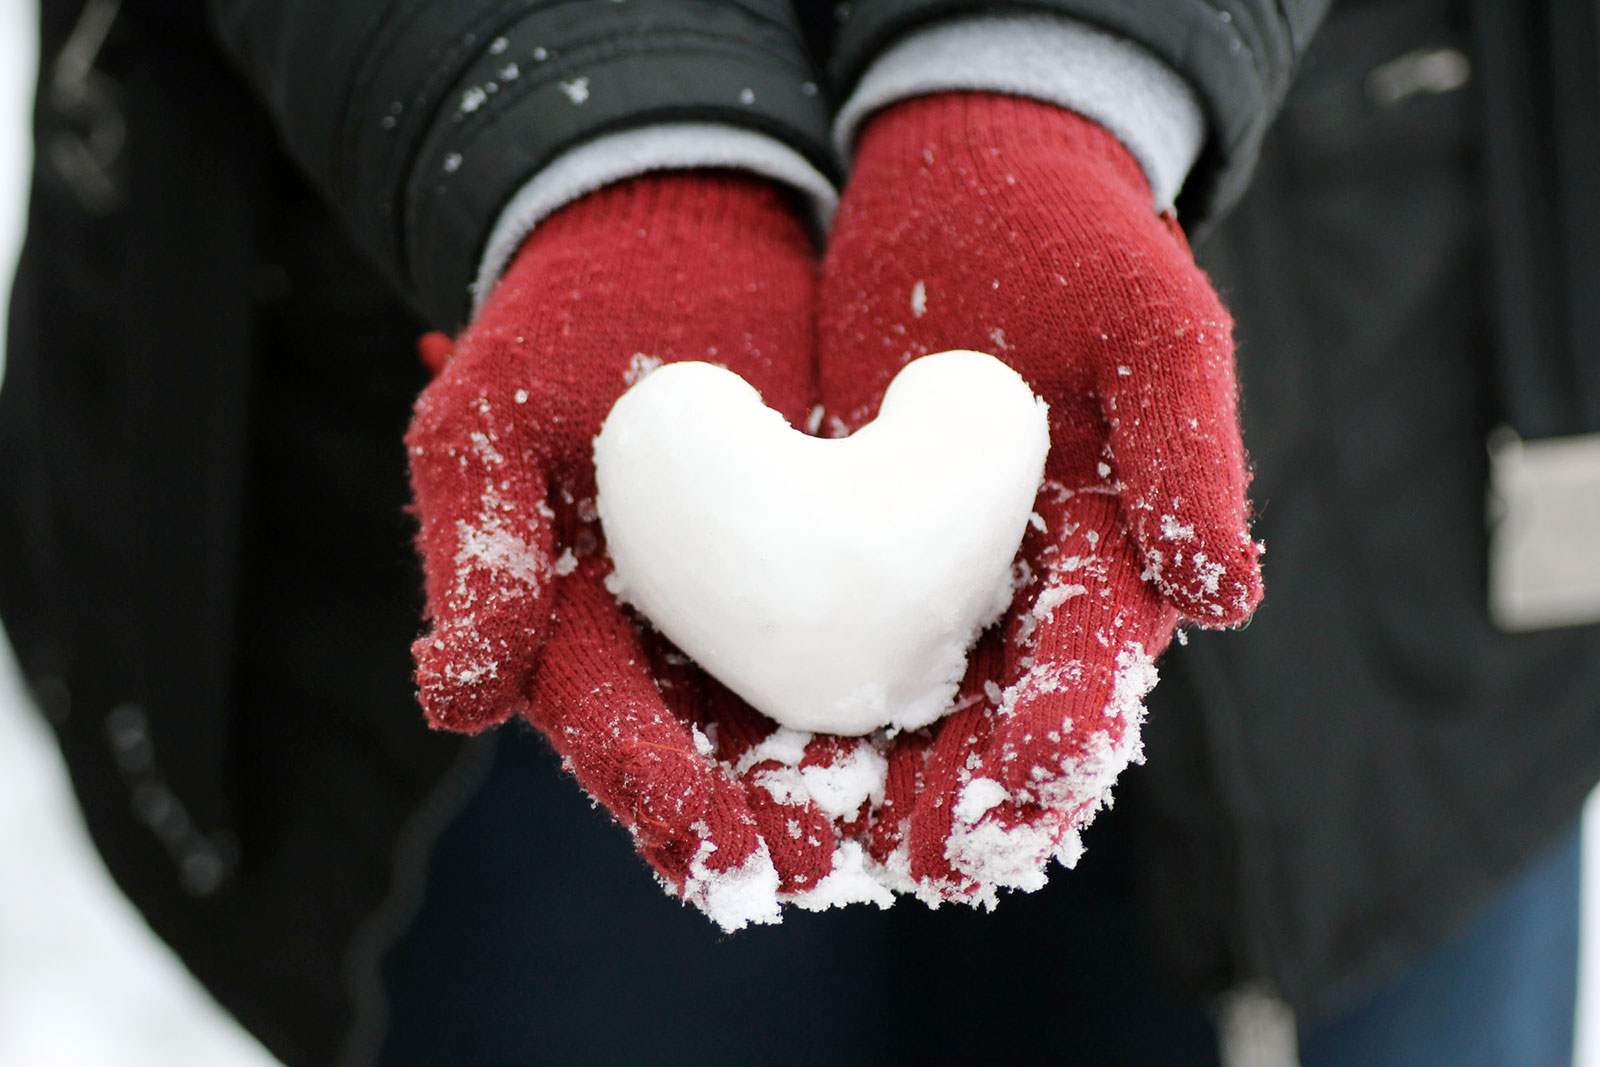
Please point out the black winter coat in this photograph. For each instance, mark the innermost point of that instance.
(206, 573)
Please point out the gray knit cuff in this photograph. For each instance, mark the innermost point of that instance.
(1108, 79)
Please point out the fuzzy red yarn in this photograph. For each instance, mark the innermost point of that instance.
(675, 266)
(1020, 228)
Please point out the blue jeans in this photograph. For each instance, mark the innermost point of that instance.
(543, 939)
(1502, 993)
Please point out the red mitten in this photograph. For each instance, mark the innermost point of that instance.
(694, 265)
(1024, 230)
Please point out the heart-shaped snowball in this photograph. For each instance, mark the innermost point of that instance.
(836, 585)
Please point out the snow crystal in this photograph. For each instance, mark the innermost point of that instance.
(472, 100)
(1209, 573)
(995, 856)
(1070, 849)
(1038, 680)
(1173, 530)
(733, 899)
(919, 299)
(640, 366)
(498, 45)
(839, 789)
(851, 881)
(492, 547)
(472, 675)
(452, 162)
(577, 89)
(510, 72)
(747, 96)
(565, 564)
(484, 447)
(977, 798)
(1053, 595)
(784, 745)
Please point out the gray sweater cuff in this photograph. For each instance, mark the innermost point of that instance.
(614, 157)
(1141, 100)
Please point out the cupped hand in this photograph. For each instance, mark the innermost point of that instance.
(690, 265)
(1022, 229)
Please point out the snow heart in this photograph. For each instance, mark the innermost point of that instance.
(836, 585)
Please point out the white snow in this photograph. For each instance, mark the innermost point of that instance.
(834, 584)
(839, 788)
(639, 366)
(978, 797)
(82, 978)
(850, 882)
(994, 855)
(735, 898)
(783, 745)
(577, 90)
(1173, 530)
(491, 547)
(1000, 856)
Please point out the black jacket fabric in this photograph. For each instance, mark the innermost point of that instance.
(370, 99)
(1238, 57)
(1370, 758)
(243, 214)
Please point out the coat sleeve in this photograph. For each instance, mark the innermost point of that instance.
(1238, 55)
(419, 120)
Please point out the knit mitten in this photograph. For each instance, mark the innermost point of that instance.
(691, 265)
(1020, 228)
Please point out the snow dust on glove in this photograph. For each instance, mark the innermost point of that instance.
(692, 265)
(1020, 228)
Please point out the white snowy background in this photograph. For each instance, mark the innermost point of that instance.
(83, 983)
